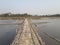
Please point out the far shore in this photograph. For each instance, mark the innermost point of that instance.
(19, 18)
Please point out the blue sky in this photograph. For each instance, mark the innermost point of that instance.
(38, 7)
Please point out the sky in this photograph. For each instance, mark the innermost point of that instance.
(34, 7)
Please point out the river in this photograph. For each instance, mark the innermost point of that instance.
(49, 26)
(7, 32)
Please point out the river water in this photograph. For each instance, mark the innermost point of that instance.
(49, 26)
(52, 28)
(7, 32)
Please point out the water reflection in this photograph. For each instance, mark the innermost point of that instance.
(7, 32)
(52, 28)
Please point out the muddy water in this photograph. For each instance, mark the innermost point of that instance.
(52, 28)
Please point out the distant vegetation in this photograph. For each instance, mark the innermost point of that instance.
(22, 16)
(54, 15)
(14, 15)
(27, 15)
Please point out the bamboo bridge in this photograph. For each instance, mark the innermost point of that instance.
(27, 35)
